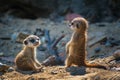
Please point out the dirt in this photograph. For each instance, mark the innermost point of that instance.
(10, 25)
(59, 73)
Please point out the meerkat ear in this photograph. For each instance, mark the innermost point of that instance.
(25, 42)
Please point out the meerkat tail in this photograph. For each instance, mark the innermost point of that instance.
(95, 66)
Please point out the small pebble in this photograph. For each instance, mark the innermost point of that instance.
(116, 69)
(116, 54)
(97, 50)
(113, 62)
(10, 69)
(77, 70)
(54, 72)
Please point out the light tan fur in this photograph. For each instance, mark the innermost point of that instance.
(76, 47)
(26, 59)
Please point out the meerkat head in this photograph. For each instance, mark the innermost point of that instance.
(32, 41)
(79, 24)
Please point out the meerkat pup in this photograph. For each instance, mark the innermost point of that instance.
(26, 60)
(76, 47)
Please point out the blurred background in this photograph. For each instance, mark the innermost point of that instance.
(93, 10)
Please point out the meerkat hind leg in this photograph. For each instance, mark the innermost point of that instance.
(68, 62)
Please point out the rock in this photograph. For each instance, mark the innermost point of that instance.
(8, 59)
(108, 44)
(62, 56)
(54, 72)
(97, 50)
(115, 42)
(113, 62)
(49, 61)
(76, 70)
(21, 37)
(3, 67)
(52, 60)
(14, 36)
(116, 55)
(116, 69)
(5, 37)
(10, 69)
(111, 42)
(97, 77)
(96, 38)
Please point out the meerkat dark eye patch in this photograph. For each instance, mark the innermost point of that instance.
(32, 40)
(25, 42)
(77, 25)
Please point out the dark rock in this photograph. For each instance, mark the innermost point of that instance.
(101, 25)
(76, 70)
(97, 38)
(97, 50)
(115, 42)
(52, 60)
(108, 44)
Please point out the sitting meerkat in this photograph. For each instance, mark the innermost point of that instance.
(26, 59)
(76, 47)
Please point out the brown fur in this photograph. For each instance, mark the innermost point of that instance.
(76, 47)
(26, 60)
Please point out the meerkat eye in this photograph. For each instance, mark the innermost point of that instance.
(32, 40)
(72, 23)
(25, 42)
(38, 39)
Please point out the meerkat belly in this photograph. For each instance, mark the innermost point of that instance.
(76, 50)
(77, 54)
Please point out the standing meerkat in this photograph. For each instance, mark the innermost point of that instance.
(76, 47)
(26, 59)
